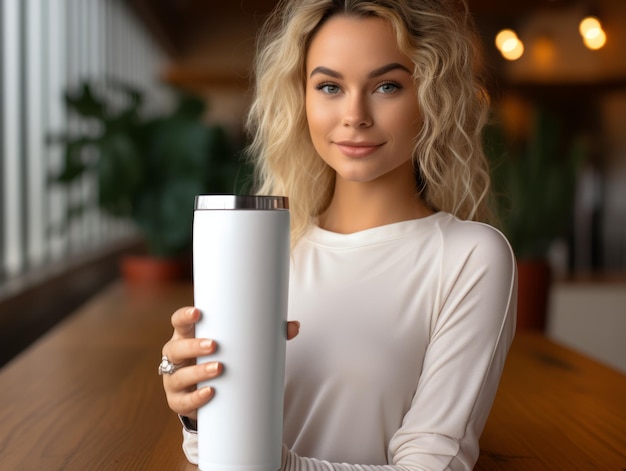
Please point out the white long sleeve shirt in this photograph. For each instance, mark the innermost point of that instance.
(404, 333)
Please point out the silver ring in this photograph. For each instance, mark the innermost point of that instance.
(166, 367)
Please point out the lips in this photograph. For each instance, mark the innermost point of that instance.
(357, 149)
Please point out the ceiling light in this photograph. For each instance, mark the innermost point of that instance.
(588, 23)
(509, 44)
(595, 41)
(504, 36)
(592, 33)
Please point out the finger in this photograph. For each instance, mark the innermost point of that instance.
(187, 404)
(185, 379)
(180, 387)
(186, 350)
(184, 321)
(293, 328)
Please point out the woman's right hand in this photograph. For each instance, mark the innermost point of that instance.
(183, 397)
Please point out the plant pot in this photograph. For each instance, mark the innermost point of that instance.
(534, 281)
(142, 269)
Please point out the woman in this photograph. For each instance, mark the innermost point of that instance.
(368, 117)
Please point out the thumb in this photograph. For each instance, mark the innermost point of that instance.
(293, 327)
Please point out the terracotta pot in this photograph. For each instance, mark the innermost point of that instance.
(534, 280)
(141, 269)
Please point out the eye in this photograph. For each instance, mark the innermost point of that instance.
(329, 88)
(388, 87)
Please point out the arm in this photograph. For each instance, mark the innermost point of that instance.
(470, 333)
(464, 361)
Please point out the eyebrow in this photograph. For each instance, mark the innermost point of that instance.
(373, 74)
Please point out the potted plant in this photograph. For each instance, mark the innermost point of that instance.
(148, 169)
(534, 183)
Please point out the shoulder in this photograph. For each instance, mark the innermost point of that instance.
(471, 233)
(475, 241)
(477, 262)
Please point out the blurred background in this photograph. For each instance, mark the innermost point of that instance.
(114, 113)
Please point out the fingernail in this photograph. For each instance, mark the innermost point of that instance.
(211, 367)
(206, 344)
(191, 311)
(205, 392)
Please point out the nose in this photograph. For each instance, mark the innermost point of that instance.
(357, 113)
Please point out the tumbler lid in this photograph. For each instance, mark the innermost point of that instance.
(220, 201)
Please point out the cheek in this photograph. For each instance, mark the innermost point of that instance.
(406, 123)
(318, 119)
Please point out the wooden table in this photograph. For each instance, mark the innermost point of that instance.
(87, 397)
(555, 410)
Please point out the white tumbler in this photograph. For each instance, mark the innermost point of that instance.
(241, 276)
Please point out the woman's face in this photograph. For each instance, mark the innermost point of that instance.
(361, 101)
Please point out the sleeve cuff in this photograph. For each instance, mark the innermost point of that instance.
(190, 425)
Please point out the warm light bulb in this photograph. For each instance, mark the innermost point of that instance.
(509, 44)
(504, 36)
(513, 50)
(592, 33)
(588, 23)
(595, 41)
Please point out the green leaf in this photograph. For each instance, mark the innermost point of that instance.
(534, 184)
(148, 168)
(85, 103)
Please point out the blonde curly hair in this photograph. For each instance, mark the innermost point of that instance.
(451, 169)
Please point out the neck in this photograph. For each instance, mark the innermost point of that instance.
(357, 206)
